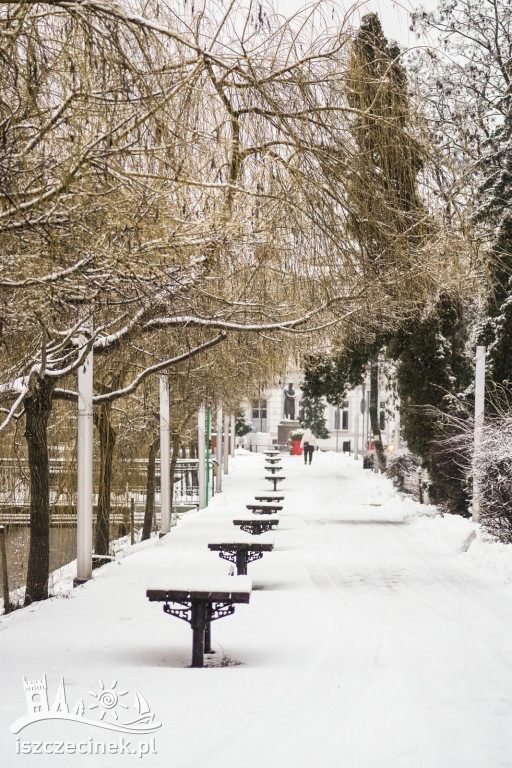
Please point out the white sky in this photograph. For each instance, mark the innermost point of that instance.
(394, 14)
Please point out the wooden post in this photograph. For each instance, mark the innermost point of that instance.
(479, 424)
(84, 472)
(165, 457)
(5, 573)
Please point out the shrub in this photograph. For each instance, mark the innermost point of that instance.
(493, 464)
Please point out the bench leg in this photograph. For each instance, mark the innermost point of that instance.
(199, 621)
(241, 562)
(208, 638)
(208, 631)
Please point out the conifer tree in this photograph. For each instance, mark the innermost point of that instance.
(386, 218)
(311, 415)
(494, 214)
(432, 369)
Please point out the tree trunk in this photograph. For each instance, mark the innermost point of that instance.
(107, 437)
(380, 454)
(176, 443)
(38, 406)
(149, 512)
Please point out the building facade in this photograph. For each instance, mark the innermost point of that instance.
(271, 407)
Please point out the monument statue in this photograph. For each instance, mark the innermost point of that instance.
(289, 402)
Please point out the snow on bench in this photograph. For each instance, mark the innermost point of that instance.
(241, 551)
(258, 525)
(275, 479)
(262, 509)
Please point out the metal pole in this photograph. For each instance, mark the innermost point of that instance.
(84, 472)
(5, 573)
(479, 424)
(165, 457)
(218, 449)
(132, 520)
(201, 456)
(226, 444)
(208, 433)
(396, 439)
(356, 442)
(233, 436)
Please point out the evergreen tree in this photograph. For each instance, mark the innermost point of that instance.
(494, 214)
(334, 376)
(311, 415)
(242, 427)
(432, 369)
(386, 217)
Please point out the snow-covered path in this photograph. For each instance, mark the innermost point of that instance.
(369, 642)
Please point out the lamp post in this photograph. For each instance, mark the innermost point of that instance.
(84, 472)
(232, 435)
(226, 444)
(165, 457)
(218, 449)
(479, 424)
(201, 456)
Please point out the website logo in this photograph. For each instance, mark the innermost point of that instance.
(108, 708)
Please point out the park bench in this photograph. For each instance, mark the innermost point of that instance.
(273, 461)
(268, 498)
(272, 468)
(256, 526)
(201, 603)
(275, 479)
(274, 454)
(264, 509)
(241, 552)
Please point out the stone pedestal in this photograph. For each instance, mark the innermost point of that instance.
(285, 429)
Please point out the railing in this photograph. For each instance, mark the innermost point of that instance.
(15, 489)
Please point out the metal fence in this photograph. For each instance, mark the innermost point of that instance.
(15, 489)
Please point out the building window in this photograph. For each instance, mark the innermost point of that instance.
(344, 415)
(341, 417)
(259, 409)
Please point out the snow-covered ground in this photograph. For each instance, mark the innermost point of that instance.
(377, 636)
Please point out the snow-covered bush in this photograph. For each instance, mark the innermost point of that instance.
(492, 464)
(402, 468)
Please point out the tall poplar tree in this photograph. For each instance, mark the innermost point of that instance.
(386, 217)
